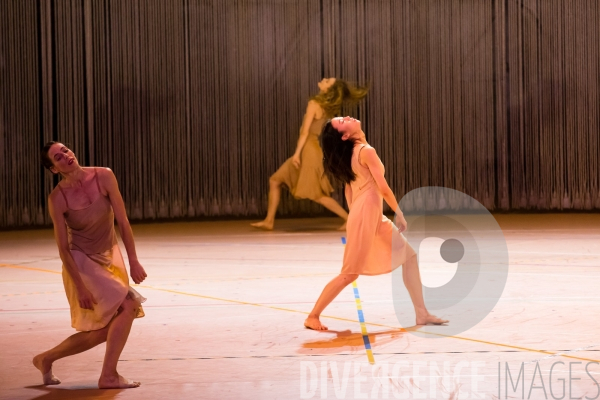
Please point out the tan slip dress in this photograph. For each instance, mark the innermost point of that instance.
(94, 248)
(308, 181)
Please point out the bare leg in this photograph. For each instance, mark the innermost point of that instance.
(74, 344)
(274, 196)
(333, 206)
(118, 332)
(412, 281)
(330, 292)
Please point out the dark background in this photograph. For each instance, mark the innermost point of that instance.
(194, 103)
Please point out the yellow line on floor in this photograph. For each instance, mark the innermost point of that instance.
(324, 316)
(30, 268)
(366, 323)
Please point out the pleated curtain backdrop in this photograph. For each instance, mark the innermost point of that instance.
(194, 103)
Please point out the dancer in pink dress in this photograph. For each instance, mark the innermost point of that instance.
(349, 158)
(83, 207)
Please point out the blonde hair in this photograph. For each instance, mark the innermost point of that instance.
(341, 93)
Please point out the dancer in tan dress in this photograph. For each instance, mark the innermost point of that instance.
(350, 159)
(83, 207)
(303, 173)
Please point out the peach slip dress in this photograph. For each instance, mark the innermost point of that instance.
(94, 248)
(308, 181)
(370, 234)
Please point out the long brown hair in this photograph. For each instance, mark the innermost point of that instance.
(341, 93)
(337, 154)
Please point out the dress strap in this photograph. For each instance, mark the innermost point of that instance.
(63, 193)
(96, 178)
(362, 146)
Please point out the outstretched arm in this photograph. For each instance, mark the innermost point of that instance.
(369, 157)
(109, 183)
(57, 208)
(311, 111)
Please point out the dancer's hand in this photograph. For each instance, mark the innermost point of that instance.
(86, 298)
(296, 160)
(138, 273)
(402, 224)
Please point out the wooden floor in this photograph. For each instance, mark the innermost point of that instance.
(226, 305)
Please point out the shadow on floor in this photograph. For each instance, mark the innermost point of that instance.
(312, 229)
(80, 392)
(348, 340)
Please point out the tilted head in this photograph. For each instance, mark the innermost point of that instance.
(325, 83)
(338, 137)
(58, 158)
(334, 93)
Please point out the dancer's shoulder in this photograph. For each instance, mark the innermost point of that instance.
(368, 155)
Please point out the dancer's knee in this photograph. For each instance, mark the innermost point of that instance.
(322, 199)
(98, 336)
(410, 266)
(274, 182)
(348, 278)
(129, 305)
(412, 260)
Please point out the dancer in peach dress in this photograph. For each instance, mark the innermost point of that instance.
(83, 207)
(349, 159)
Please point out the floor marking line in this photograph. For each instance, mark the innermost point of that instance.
(210, 279)
(30, 268)
(363, 328)
(318, 355)
(324, 316)
(361, 317)
(26, 294)
(366, 323)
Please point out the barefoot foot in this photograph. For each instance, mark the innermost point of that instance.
(116, 382)
(46, 369)
(263, 225)
(315, 324)
(428, 319)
